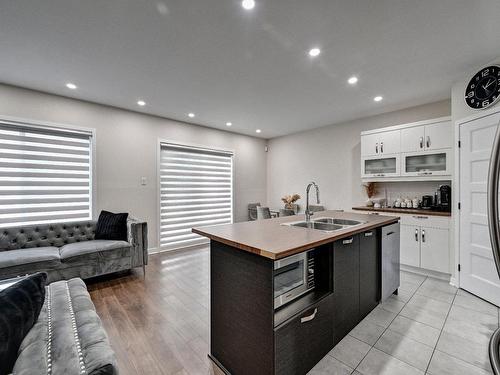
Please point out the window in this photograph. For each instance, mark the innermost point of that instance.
(45, 175)
(195, 190)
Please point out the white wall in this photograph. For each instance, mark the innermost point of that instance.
(331, 157)
(126, 151)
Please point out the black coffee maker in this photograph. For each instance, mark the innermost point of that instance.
(443, 201)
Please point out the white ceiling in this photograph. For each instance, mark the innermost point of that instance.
(251, 68)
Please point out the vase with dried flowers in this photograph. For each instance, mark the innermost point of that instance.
(371, 190)
(290, 200)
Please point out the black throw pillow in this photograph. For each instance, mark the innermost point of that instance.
(20, 305)
(111, 226)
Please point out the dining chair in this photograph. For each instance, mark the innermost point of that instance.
(286, 212)
(252, 211)
(263, 213)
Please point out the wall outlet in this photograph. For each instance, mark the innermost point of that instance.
(144, 181)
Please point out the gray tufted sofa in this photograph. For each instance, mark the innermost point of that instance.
(67, 250)
(68, 337)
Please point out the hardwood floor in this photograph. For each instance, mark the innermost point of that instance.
(159, 325)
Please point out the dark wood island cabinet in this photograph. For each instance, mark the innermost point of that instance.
(248, 335)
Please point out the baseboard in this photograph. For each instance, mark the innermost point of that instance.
(425, 272)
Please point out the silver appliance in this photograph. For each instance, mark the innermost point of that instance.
(293, 277)
(494, 228)
(390, 260)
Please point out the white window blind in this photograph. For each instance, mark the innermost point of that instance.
(195, 190)
(45, 175)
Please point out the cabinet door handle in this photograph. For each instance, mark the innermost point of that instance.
(349, 241)
(388, 234)
(423, 235)
(420, 217)
(428, 142)
(368, 234)
(382, 147)
(376, 148)
(308, 318)
(421, 142)
(416, 235)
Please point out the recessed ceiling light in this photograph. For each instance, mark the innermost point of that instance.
(142, 103)
(71, 86)
(378, 98)
(229, 123)
(353, 80)
(313, 52)
(191, 115)
(258, 131)
(248, 4)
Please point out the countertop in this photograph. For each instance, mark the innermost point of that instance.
(269, 239)
(413, 211)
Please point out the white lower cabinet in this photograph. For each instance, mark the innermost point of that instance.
(435, 249)
(427, 245)
(410, 245)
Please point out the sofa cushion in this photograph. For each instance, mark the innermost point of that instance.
(68, 337)
(46, 257)
(21, 304)
(90, 247)
(111, 226)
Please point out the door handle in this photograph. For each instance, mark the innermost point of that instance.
(376, 148)
(382, 147)
(423, 235)
(308, 318)
(428, 141)
(368, 234)
(349, 241)
(421, 142)
(416, 235)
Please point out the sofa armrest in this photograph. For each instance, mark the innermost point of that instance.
(137, 234)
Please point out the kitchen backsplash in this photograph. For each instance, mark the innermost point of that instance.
(407, 190)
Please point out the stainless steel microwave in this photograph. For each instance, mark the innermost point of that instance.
(293, 277)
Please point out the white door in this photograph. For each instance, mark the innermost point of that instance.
(435, 249)
(390, 142)
(370, 144)
(410, 245)
(438, 136)
(412, 139)
(478, 272)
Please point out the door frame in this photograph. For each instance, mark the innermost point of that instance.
(455, 279)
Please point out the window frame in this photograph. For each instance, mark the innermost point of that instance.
(64, 128)
(161, 142)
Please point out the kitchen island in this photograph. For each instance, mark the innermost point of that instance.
(255, 331)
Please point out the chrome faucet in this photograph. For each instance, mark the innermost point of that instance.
(309, 213)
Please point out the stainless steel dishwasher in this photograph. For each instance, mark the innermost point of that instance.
(390, 260)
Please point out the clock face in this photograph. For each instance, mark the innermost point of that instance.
(484, 88)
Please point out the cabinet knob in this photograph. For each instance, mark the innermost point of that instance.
(421, 142)
(423, 235)
(382, 147)
(376, 148)
(428, 142)
(349, 241)
(368, 234)
(416, 235)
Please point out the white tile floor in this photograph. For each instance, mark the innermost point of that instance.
(429, 328)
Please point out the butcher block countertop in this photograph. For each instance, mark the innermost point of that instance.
(411, 211)
(269, 239)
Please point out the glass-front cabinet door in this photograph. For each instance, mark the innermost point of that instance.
(380, 166)
(435, 163)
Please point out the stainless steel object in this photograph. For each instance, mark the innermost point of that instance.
(494, 228)
(306, 319)
(390, 260)
(309, 213)
(293, 277)
(332, 220)
(325, 224)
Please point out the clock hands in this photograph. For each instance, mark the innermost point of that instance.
(489, 83)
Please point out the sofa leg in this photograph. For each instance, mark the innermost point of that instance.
(144, 270)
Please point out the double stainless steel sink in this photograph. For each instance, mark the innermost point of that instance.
(326, 224)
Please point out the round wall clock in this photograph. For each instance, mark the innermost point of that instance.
(483, 89)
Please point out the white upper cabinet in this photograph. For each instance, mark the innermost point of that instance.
(424, 149)
(438, 136)
(435, 136)
(379, 144)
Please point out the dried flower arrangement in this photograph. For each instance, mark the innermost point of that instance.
(289, 200)
(371, 189)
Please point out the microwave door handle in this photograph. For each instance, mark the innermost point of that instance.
(494, 228)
